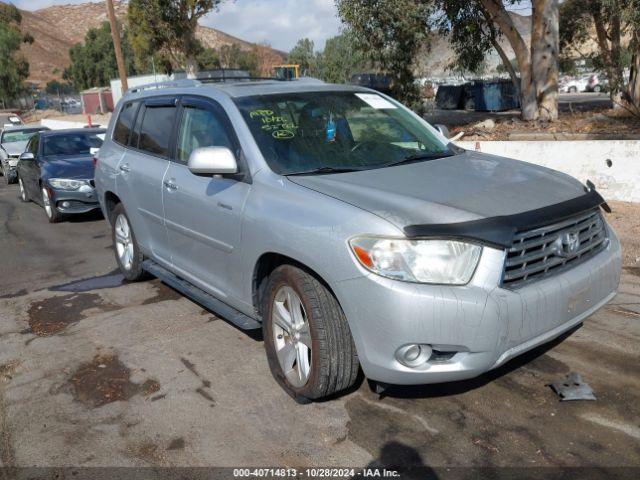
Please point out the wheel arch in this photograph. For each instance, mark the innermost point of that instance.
(110, 202)
(266, 264)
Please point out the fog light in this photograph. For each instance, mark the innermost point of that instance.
(66, 204)
(413, 355)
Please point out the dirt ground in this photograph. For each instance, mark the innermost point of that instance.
(625, 219)
(600, 122)
(98, 372)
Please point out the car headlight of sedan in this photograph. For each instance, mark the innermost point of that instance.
(67, 183)
(438, 261)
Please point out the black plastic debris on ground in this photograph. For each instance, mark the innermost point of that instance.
(572, 388)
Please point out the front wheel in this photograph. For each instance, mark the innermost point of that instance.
(307, 339)
(49, 207)
(23, 192)
(128, 254)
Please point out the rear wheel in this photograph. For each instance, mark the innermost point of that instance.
(128, 254)
(573, 89)
(23, 192)
(49, 208)
(307, 339)
(597, 89)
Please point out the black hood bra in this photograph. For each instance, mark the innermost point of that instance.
(499, 231)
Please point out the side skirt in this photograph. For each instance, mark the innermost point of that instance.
(198, 295)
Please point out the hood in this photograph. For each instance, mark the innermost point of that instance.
(465, 187)
(80, 168)
(14, 148)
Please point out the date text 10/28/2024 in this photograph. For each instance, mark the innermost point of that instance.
(315, 472)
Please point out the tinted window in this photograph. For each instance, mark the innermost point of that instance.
(122, 130)
(201, 128)
(71, 144)
(155, 131)
(33, 145)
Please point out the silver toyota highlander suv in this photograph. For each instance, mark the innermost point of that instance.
(349, 230)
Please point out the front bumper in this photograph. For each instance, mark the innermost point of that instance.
(484, 324)
(74, 202)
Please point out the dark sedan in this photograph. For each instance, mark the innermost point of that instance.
(56, 171)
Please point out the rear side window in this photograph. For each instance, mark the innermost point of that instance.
(156, 128)
(124, 125)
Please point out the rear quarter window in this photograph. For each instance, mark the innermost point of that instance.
(124, 125)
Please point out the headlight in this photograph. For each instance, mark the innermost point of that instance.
(67, 183)
(424, 261)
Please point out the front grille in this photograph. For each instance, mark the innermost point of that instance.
(547, 250)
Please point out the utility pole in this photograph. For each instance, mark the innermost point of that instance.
(115, 35)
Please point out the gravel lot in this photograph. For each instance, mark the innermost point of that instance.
(94, 372)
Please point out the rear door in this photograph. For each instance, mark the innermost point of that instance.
(203, 213)
(141, 172)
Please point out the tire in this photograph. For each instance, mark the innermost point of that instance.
(49, 209)
(331, 364)
(124, 240)
(597, 89)
(24, 196)
(573, 90)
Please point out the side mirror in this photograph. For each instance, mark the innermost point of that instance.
(212, 161)
(26, 156)
(442, 129)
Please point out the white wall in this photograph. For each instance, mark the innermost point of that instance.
(584, 160)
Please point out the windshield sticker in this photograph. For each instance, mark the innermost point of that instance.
(375, 101)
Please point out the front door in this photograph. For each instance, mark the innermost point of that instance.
(203, 213)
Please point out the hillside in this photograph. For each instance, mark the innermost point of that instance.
(56, 29)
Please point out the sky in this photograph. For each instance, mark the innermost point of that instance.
(278, 22)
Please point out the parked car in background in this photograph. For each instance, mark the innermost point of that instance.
(13, 141)
(375, 81)
(596, 83)
(574, 85)
(349, 230)
(9, 120)
(56, 171)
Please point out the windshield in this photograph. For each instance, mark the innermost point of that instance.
(328, 131)
(18, 136)
(72, 144)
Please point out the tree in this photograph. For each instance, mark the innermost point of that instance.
(341, 58)
(578, 18)
(392, 32)
(93, 64)
(233, 56)
(632, 17)
(476, 26)
(303, 54)
(14, 69)
(168, 27)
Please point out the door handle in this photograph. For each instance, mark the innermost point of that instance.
(125, 168)
(170, 185)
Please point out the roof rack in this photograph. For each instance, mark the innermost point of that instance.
(187, 82)
(194, 82)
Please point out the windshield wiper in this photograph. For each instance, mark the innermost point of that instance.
(325, 170)
(417, 157)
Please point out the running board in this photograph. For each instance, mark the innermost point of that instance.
(198, 295)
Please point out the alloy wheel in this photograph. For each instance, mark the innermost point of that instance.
(291, 336)
(124, 243)
(48, 208)
(23, 193)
